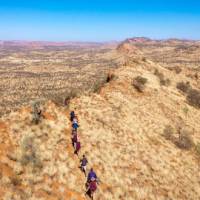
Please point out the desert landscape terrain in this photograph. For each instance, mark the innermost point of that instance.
(139, 128)
(51, 71)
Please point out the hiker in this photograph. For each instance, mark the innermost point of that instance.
(91, 175)
(77, 147)
(92, 188)
(75, 119)
(72, 115)
(74, 138)
(74, 132)
(75, 125)
(84, 162)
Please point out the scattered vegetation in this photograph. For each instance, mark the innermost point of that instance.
(163, 80)
(168, 132)
(110, 77)
(184, 87)
(36, 112)
(63, 69)
(15, 181)
(180, 137)
(72, 94)
(96, 87)
(177, 69)
(144, 59)
(193, 97)
(139, 83)
(197, 148)
(29, 154)
(184, 140)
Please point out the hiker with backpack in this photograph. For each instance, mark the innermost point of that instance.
(91, 175)
(72, 115)
(74, 138)
(77, 147)
(75, 123)
(92, 187)
(84, 162)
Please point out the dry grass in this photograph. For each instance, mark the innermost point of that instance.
(163, 80)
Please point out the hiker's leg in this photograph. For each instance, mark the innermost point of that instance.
(92, 195)
(75, 146)
(84, 170)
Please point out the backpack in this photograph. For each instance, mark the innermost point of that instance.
(75, 125)
(93, 186)
(78, 146)
(75, 138)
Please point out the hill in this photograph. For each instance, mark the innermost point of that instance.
(141, 135)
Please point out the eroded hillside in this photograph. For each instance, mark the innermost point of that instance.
(122, 135)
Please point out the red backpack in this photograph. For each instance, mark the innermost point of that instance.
(93, 186)
(78, 146)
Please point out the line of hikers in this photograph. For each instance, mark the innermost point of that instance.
(92, 180)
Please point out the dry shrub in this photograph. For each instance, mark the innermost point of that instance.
(96, 87)
(184, 140)
(193, 97)
(29, 154)
(139, 83)
(36, 112)
(165, 82)
(180, 137)
(15, 181)
(162, 79)
(72, 94)
(177, 69)
(110, 77)
(184, 87)
(168, 132)
(197, 147)
(144, 59)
